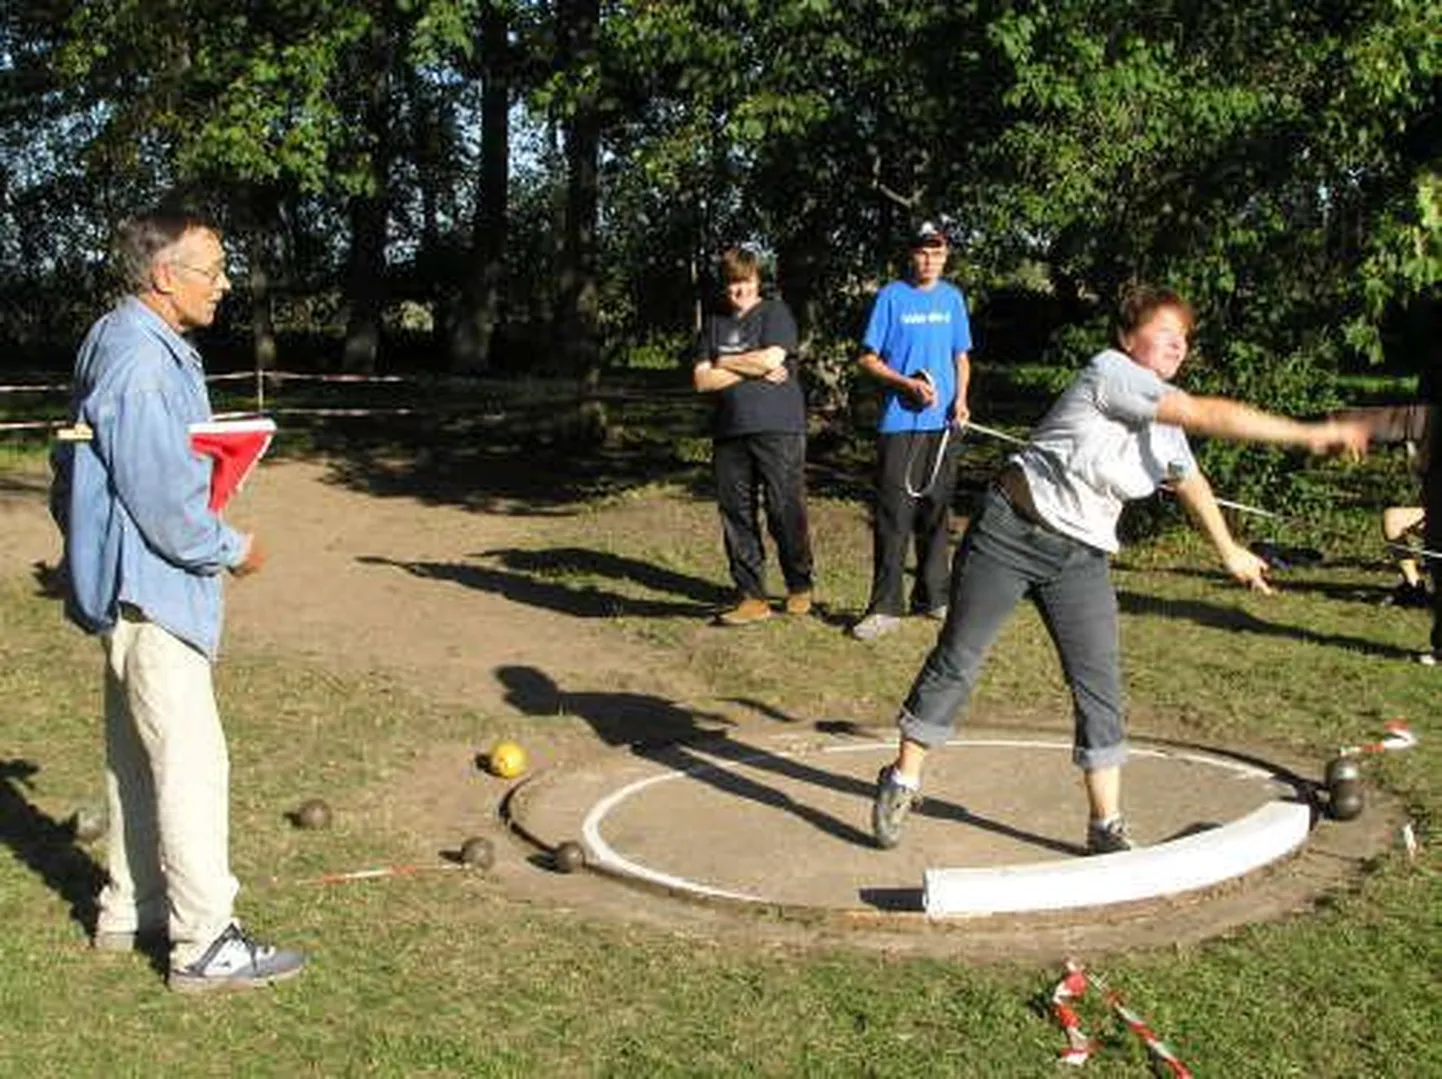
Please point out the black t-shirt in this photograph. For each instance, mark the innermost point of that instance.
(754, 405)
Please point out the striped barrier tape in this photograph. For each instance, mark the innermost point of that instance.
(1398, 736)
(227, 376)
(1080, 1047)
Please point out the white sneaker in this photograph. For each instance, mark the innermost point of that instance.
(875, 625)
(236, 961)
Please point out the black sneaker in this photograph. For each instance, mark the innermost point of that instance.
(1109, 838)
(893, 803)
(236, 961)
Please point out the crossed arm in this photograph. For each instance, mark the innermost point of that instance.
(722, 372)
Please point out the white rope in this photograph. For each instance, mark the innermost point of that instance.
(35, 387)
(972, 425)
(1416, 552)
(935, 467)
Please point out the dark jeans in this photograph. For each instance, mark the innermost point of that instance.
(769, 468)
(903, 519)
(1003, 558)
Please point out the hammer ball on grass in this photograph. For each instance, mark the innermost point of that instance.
(568, 857)
(478, 852)
(313, 814)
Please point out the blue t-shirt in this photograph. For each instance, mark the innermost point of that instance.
(914, 330)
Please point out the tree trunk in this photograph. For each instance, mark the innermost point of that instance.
(365, 287)
(365, 272)
(578, 316)
(261, 247)
(480, 311)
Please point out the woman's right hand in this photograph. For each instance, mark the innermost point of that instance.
(1347, 437)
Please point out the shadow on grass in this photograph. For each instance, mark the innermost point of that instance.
(503, 478)
(1217, 617)
(586, 562)
(47, 846)
(702, 598)
(1347, 591)
(49, 581)
(660, 730)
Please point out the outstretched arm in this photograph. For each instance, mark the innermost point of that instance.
(1222, 417)
(1195, 495)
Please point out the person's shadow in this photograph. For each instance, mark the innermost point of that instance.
(47, 846)
(1217, 616)
(677, 737)
(50, 582)
(659, 730)
(531, 586)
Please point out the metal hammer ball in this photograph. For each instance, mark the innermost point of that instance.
(568, 857)
(1346, 767)
(1345, 801)
(478, 852)
(313, 813)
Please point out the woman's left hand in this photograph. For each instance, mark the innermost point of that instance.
(1246, 568)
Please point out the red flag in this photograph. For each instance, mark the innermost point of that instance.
(235, 447)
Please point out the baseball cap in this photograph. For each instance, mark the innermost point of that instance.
(928, 234)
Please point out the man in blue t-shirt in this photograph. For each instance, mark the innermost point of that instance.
(746, 358)
(917, 344)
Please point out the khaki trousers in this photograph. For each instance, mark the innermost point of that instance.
(168, 786)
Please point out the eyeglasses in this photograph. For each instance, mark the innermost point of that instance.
(212, 274)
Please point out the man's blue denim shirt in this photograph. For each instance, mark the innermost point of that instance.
(132, 503)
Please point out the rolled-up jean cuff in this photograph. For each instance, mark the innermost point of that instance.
(914, 729)
(1094, 760)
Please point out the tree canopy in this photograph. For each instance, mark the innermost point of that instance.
(547, 185)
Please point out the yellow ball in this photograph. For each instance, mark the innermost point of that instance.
(508, 760)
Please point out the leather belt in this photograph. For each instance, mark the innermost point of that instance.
(1012, 485)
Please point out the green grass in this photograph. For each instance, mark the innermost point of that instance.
(443, 974)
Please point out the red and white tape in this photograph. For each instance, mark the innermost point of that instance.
(1080, 1047)
(1399, 736)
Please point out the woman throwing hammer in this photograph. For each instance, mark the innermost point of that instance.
(1047, 528)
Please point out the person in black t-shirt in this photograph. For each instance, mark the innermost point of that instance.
(747, 358)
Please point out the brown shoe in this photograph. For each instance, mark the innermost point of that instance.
(799, 602)
(751, 609)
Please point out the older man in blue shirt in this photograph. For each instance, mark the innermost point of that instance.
(144, 557)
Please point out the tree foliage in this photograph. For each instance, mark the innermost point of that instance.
(1279, 162)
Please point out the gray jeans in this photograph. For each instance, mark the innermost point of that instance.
(1003, 558)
